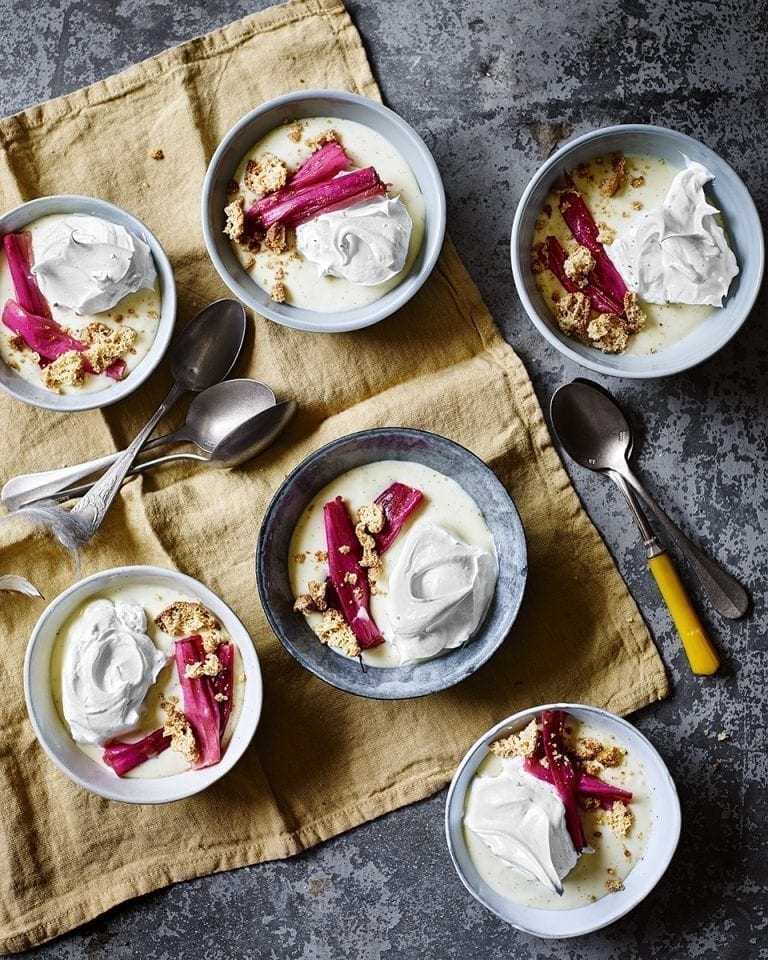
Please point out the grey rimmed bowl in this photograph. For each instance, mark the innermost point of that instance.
(320, 103)
(647, 871)
(319, 469)
(742, 224)
(65, 204)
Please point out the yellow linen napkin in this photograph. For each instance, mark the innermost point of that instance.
(322, 761)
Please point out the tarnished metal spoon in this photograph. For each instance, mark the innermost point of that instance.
(211, 417)
(595, 433)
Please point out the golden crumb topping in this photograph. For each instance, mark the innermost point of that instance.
(634, 313)
(523, 743)
(619, 818)
(295, 130)
(572, 313)
(614, 886)
(105, 345)
(327, 136)
(66, 370)
(210, 667)
(335, 631)
(579, 265)
(611, 185)
(178, 728)
(608, 332)
(186, 617)
(265, 175)
(275, 239)
(314, 601)
(235, 225)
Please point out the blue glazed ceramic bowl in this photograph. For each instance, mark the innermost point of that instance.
(320, 103)
(728, 193)
(319, 469)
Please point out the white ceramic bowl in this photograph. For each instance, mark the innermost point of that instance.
(320, 103)
(728, 193)
(18, 219)
(55, 737)
(662, 842)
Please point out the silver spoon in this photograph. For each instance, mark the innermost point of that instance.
(202, 354)
(212, 415)
(595, 433)
(243, 443)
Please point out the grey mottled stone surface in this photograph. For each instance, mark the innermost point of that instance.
(494, 86)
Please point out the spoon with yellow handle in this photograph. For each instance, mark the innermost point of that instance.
(594, 432)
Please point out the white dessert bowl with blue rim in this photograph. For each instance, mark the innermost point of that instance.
(52, 731)
(742, 226)
(641, 879)
(303, 105)
(27, 213)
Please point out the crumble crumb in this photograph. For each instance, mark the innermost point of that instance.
(210, 667)
(296, 130)
(572, 313)
(327, 136)
(520, 744)
(579, 265)
(186, 617)
(611, 185)
(723, 736)
(608, 332)
(275, 239)
(370, 519)
(587, 803)
(344, 548)
(232, 187)
(614, 886)
(637, 205)
(350, 578)
(619, 818)
(106, 345)
(634, 312)
(220, 697)
(606, 234)
(637, 181)
(67, 369)
(17, 342)
(265, 175)
(314, 601)
(178, 728)
(157, 155)
(300, 557)
(335, 631)
(235, 225)
(606, 754)
(278, 291)
(321, 556)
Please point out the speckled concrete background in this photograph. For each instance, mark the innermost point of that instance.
(494, 86)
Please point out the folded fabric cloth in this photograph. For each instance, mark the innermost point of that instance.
(322, 761)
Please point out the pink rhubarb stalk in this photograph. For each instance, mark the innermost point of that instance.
(563, 773)
(18, 250)
(323, 165)
(398, 502)
(307, 203)
(223, 684)
(123, 757)
(199, 705)
(586, 785)
(582, 225)
(349, 579)
(48, 338)
(553, 256)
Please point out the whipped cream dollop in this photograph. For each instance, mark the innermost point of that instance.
(89, 264)
(108, 669)
(677, 252)
(439, 593)
(365, 244)
(522, 821)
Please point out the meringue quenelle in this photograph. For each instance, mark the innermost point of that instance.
(108, 670)
(439, 592)
(325, 214)
(365, 244)
(677, 252)
(393, 562)
(89, 264)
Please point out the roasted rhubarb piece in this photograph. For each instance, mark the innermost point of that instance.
(553, 256)
(48, 339)
(582, 225)
(586, 785)
(123, 757)
(564, 775)
(306, 203)
(223, 684)
(349, 579)
(18, 250)
(398, 502)
(322, 165)
(200, 706)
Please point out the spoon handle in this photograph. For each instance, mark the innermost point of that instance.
(28, 487)
(702, 656)
(726, 594)
(94, 505)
